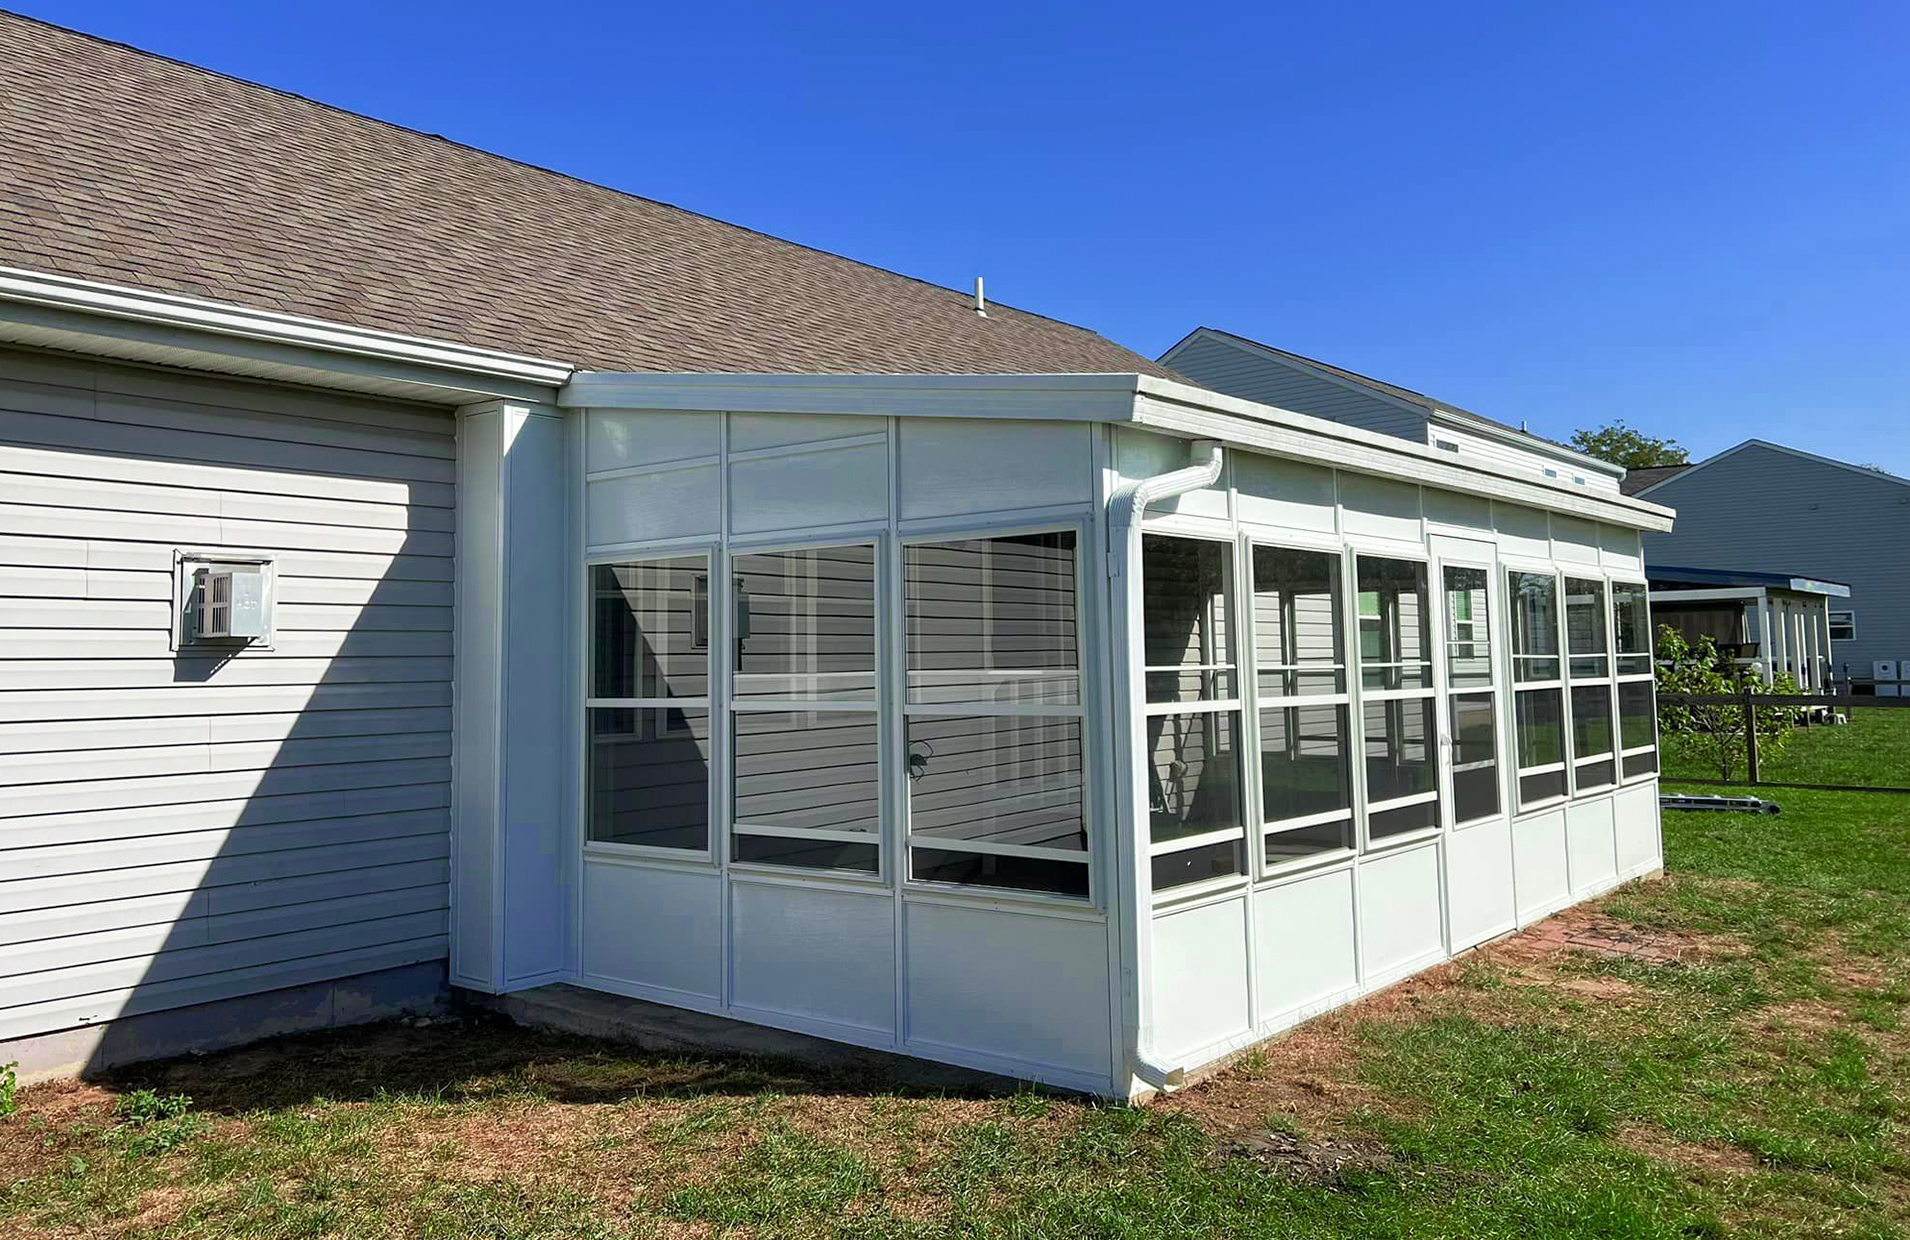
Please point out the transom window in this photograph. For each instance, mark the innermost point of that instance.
(1396, 696)
(1300, 664)
(993, 713)
(649, 705)
(1195, 818)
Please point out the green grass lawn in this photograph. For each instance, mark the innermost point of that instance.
(1735, 1064)
(1872, 750)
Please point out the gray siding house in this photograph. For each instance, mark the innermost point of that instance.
(1260, 372)
(1764, 507)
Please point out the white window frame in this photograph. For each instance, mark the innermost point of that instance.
(1603, 680)
(1647, 677)
(1251, 670)
(1514, 686)
(878, 544)
(710, 553)
(1361, 695)
(1491, 690)
(1235, 705)
(906, 710)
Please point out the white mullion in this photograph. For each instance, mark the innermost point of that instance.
(1220, 707)
(696, 703)
(1187, 843)
(1306, 820)
(1399, 695)
(804, 706)
(1417, 798)
(1298, 700)
(807, 833)
(993, 710)
(989, 849)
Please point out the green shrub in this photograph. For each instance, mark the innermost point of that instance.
(9, 1090)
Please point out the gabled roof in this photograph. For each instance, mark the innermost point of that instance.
(1428, 405)
(120, 166)
(1686, 471)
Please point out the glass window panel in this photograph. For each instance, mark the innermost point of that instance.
(808, 854)
(1546, 787)
(1539, 720)
(1475, 757)
(1194, 776)
(1296, 622)
(1386, 823)
(1184, 591)
(1311, 841)
(1395, 641)
(805, 624)
(649, 629)
(935, 865)
(1592, 775)
(1468, 628)
(1009, 779)
(1399, 749)
(1195, 865)
(1637, 719)
(1535, 638)
(1303, 761)
(992, 620)
(1591, 721)
(807, 770)
(1631, 627)
(1585, 628)
(1637, 764)
(650, 777)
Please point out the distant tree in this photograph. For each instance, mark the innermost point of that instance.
(1633, 449)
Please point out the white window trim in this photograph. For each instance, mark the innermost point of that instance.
(905, 709)
(704, 858)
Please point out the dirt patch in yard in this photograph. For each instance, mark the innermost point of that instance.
(1714, 1157)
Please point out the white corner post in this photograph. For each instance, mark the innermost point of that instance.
(1126, 507)
(511, 719)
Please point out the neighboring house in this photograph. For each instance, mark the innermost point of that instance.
(1779, 622)
(1764, 508)
(421, 569)
(1254, 371)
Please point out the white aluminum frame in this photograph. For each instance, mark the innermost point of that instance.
(1494, 690)
(1557, 684)
(1604, 679)
(878, 541)
(904, 710)
(1620, 679)
(1361, 695)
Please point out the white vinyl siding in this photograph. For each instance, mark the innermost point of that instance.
(176, 828)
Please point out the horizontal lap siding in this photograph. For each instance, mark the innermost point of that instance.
(178, 831)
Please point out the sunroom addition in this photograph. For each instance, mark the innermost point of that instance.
(1085, 728)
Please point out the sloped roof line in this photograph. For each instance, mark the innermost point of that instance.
(1775, 447)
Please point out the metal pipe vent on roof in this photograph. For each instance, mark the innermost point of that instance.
(981, 302)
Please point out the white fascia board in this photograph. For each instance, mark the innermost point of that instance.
(1178, 408)
(1829, 589)
(1076, 397)
(1525, 440)
(1714, 594)
(168, 310)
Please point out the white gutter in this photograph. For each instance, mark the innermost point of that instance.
(1126, 507)
(169, 310)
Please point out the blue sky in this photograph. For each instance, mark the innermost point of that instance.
(1694, 216)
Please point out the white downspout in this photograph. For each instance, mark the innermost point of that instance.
(1125, 510)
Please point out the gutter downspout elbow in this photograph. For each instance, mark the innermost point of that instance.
(1127, 506)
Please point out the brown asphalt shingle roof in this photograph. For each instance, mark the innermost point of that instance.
(125, 167)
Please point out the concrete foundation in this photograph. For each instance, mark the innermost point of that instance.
(653, 1026)
(83, 1051)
